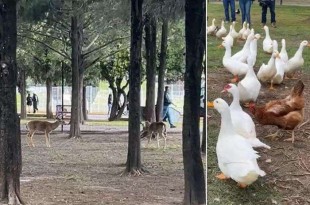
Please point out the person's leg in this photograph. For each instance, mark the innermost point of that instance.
(242, 8)
(225, 4)
(248, 11)
(169, 118)
(165, 110)
(264, 13)
(272, 12)
(232, 9)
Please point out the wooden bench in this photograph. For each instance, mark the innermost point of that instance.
(64, 113)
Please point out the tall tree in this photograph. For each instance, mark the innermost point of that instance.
(195, 20)
(150, 48)
(133, 164)
(162, 70)
(10, 145)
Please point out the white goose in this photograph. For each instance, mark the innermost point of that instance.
(232, 65)
(229, 39)
(236, 157)
(297, 61)
(243, 54)
(222, 31)
(253, 49)
(211, 29)
(267, 42)
(283, 53)
(242, 30)
(234, 33)
(266, 72)
(242, 122)
(249, 86)
(280, 66)
(247, 32)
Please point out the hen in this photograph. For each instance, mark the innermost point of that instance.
(287, 113)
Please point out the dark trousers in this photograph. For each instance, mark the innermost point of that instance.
(226, 4)
(272, 6)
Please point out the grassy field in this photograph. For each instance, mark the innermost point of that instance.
(292, 24)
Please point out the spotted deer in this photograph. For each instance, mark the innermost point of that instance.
(157, 128)
(42, 126)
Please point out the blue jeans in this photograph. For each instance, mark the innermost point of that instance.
(226, 4)
(166, 114)
(271, 5)
(245, 7)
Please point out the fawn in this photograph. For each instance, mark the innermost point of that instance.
(157, 128)
(42, 126)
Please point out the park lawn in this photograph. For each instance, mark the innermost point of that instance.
(291, 25)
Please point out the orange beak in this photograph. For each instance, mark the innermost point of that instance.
(210, 104)
(308, 45)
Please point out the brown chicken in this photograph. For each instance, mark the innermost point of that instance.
(287, 113)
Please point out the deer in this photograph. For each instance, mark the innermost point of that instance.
(157, 128)
(42, 126)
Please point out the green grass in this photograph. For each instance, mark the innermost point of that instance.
(292, 24)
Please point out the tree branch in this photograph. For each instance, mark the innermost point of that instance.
(104, 45)
(91, 43)
(45, 35)
(50, 47)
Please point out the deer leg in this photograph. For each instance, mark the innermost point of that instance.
(157, 140)
(47, 139)
(148, 140)
(31, 139)
(163, 136)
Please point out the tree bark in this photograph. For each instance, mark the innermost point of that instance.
(10, 146)
(49, 113)
(81, 86)
(133, 164)
(195, 192)
(161, 71)
(150, 47)
(85, 115)
(23, 103)
(76, 36)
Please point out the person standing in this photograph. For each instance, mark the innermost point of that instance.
(29, 102)
(245, 7)
(166, 109)
(35, 101)
(231, 4)
(271, 4)
(109, 104)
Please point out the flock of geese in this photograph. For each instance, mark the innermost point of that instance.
(236, 157)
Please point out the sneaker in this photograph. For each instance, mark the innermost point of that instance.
(274, 25)
(172, 126)
(263, 24)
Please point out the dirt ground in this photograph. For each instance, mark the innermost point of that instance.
(287, 165)
(88, 171)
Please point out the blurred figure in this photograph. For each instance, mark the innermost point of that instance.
(271, 4)
(29, 102)
(166, 109)
(245, 7)
(109, 104)
(35, 101)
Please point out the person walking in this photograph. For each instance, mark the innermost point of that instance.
(29, 102)
(35, 101)
(109, 103)
(271, 4)
(166, 108)
(231, 4)
(245, 7)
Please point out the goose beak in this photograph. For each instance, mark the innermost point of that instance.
(224, 91)
(308, 45)
(210, 104)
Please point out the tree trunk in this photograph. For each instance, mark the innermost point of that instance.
(81, 86)
(23, 103)
(49, 113)
(195, 192)
(85, 115)
(150, 45)
(76, 35)
(10, 144)
(133, 164)
(161, 71)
